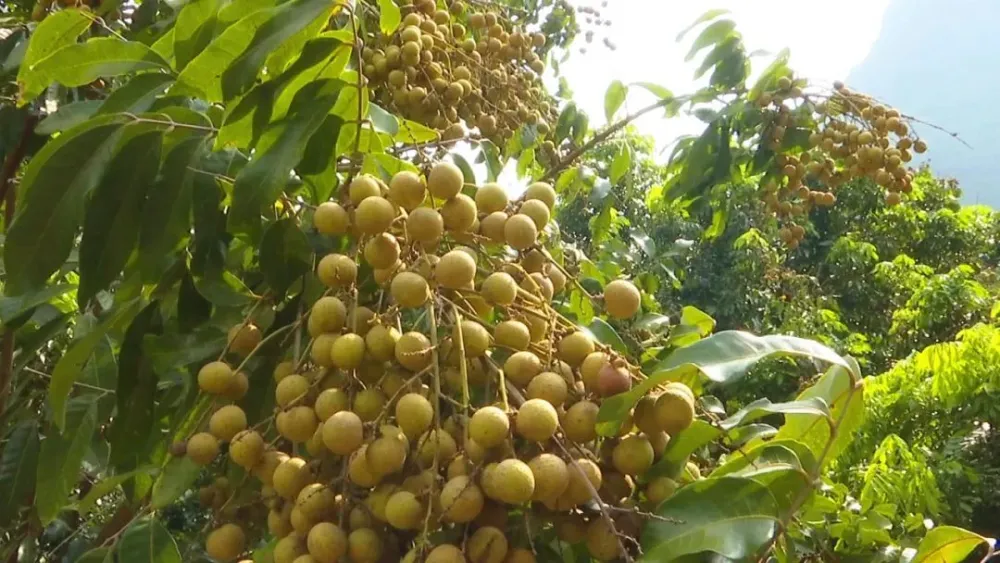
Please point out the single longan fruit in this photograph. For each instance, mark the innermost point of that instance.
(542, 192)
(461, 500)
(380, 342)
(492, 226)
(216, 378)
(226, 542)
(331, 219)
(521, 367)
(343, 432)
(582, 471)
(291, 390)
(382, 251)
(520, 555)
(660, 489)
(202, 448)
(327, 315)
(574, 347)
(227, 421)
(551, 476)
(414, 414)
(243, 338)
(327, 543)
(374, 215)
(403, 511)
(550, 387)
(459, 213)
(475, 338)
(289, 548)
(364, 546)
(538, 211)
(674, 409)
(445, 553)
(424, 225)
(330, 402)
(238, 387)
(499, 288)
(368, 404)
(413, 351)
(359, 472)
(283, 370)
(613, 380)
(512, 334)
(537, 420)
(445, 180)
(579, 420)
(621, 299)
(455, 270)
(511, 481)
(290, 477)
(264, 471)
(487, 545)
(386, 455)
(520, 232)
(436, 443)
(489, 427)
(315, 500)
(491, 198)
(409, 289)
(297, 424)
(407, 190)
(363, 187)
(348, 350)
(279, 522)
(359, 320)
(633, 455)
(336, 270)
(602, 542)
(246, 449)
(644, 415)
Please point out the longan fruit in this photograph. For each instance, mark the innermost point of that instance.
(551, 476)
(489, 427)
(343, 432)
(621, 299)
(216, 378)
(283, 370)
(328, 313)
(290, 477)
(436, 443)
(492, 226)
(297, 424)
(445, 180)
(674, 409)
(403, 511)
(537, 420)
(409, 289)
(538, 211)
(491, 198)
(550, 387)
(246, 448)
(347, 351)
(521, 367)
(374, 215)
(226, 542)
(512, 334)
(279, 522)
(520, 555)
(336, 270)
(327, 542)
(382, 251)
(520, 232)
(368, 404)
(542, 192)
(358, 471)
(424, 225)
(362, 187)
(387, 454)
(364, 546)
(414, 414)
(243, 338)
(487, 545)
(455, 270)
(445, 553)
(579, 420)
(633, 455)
(461, 500)
(613, 380)
(289, 548)
(574, 347)
(315, 500)
(602, 542)
(380, 342)
(475, 338)
(660, 489)
(582, 471)
(413, 351)
(557, 278)
(202, 448)
(459, 213)
(291, 390)
(407, 189)
(499, 288)
(227, 421)
(538, 284)
(331, 219)
(264, 470)
(590, 369)
(510, 481)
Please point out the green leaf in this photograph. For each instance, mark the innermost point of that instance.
(105, 487)
(844, 393)
(655, 89)
(99, 554)
(711, 35)
(13, 307)
(614, 97)
(83, 63)
(67, 116)
(388, 17)
(412, 132)
(53, 189)
(18, 460)
(284, 22)
(177, 477)
(114, 216)
(259, 183)
(383, 120)
(693, 316)
(491, 156)
(605, 334)
(707, 16)
(194, 30)
(285, 254)
(948, 544)
(468, 174)
(202, 77)
(56, 31)
(147, 541)
(137, 95)
(622, 163)
(731, 516)
(136, 392)
(60, 459)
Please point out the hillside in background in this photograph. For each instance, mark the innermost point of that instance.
(936, 61)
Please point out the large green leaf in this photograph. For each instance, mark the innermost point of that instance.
(104, 487)
(202, 77)
(194, 30)
(614, 97)
(18, 460)
(60, 459)
(731, 516)
(285, 254)
(844, 393)
(83, 63)
(98, 554)
(137, 95)
(53, 190)
(114, 214)
(606, 334)
(389, 16)
(175, 479)
(130, 430)
(68, 116)
(712, 34)
(54, 32)
(11, 308)
(147, 541)
(948, 544)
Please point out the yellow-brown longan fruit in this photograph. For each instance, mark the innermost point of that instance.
(513, 335)
(316, 500)
(243, 338)
(461, 500)
(409, 289)
(574, 347)
(602, 542)
(239, 387)
(279, 522)
(378, 498)
(537, 210)
(537, 420)
(407, 190)
(327, 543)
(413, 351)
(459, 213)
(520, 232)
(336, 270)
(644, 415)
(538, 284)
(571, 528)
(289, 548)
(551, 476)
(445, 553)
(674, 408)
(414, 415)
(363, 187)
(489, 427)
(487, 545)
(387, 454)
(475, 338)
(633, 455)
(297, 424)
(331, 219)
(216, 378)
(521, 367)
(364, 546)
(557, 278)
(520, 555)
(327, 315)
(264, 471)
(491, 198)
(542, 192)
(436, 443)
(290, 477)
(582, 471)
(291, 390)
(660, 489)
(368, 404)
(382, 251)
(499, 288)
(202, 448)
(348, 350)
(380, 342)
(403, 511)
(283, 370)
(579, 420)
(511, 481)
(321, 348)
(227, 421)
(374, 215)
(226, 542)
(621, 299)
(445, 180)
(359, 472)
(343, 432)
(424, 225)
(590, 369)
(455, 270)
(246, 448)
(549, 387)
(492, 226)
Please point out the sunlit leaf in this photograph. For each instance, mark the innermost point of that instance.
(614, 97)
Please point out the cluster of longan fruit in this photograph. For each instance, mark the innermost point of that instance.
(429, 415)
(446, 67)
(853, 136)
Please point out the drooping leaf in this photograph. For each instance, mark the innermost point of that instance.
(104, 487)
(468, 174)
(707, 16)
(383, 120)
(844, 393)
(54, 32)
(622, 162)
(11, 308)
(948, 544)
(67, 116)
(147, 541)
(114, 215)
(18, 460)
(712, 34)
(285, 254)
(137, 95)
(136, 392)
(606, 334)
(176, 478)
(60, 458)
(614, 97)
(83, 63)
(655, 89)
(693, 316)
(194, 30)
(388, 17)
